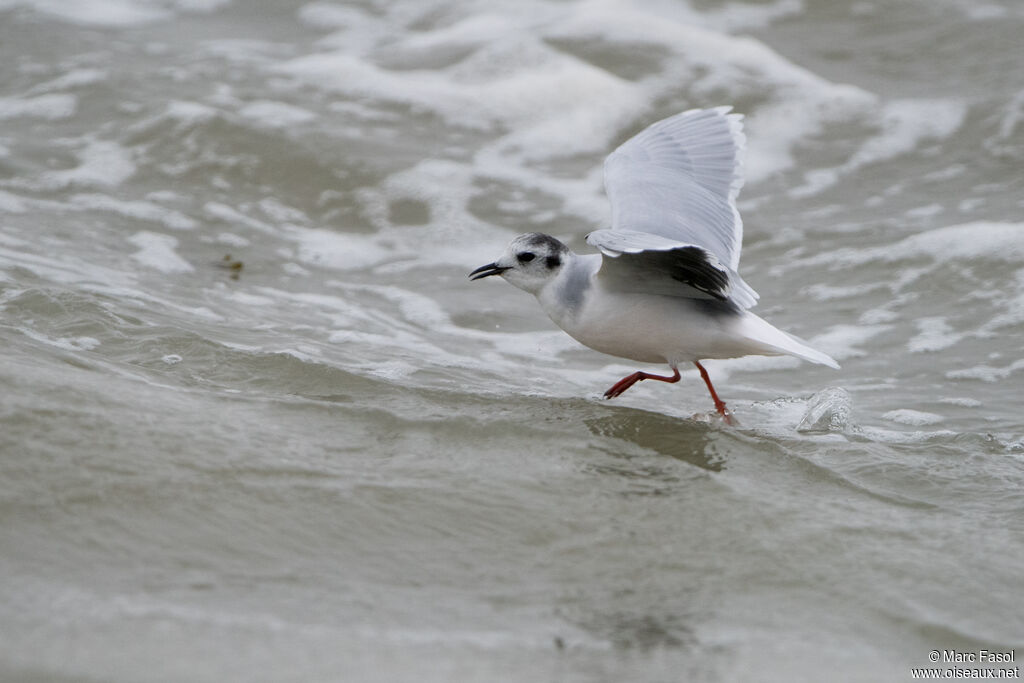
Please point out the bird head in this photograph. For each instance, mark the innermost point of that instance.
(530, 261)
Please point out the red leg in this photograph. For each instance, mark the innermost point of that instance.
(627, 382)
(719, 404)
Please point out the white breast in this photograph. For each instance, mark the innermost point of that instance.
(644, 328)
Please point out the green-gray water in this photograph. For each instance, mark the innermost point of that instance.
(257, 425)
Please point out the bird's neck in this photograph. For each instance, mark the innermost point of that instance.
(564, 295)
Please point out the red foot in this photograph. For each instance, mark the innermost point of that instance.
(626, 382)
(719, 404)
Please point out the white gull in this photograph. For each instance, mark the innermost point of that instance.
(665, 287)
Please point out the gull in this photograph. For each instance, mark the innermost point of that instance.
(665, 287)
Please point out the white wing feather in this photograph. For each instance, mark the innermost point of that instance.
(679, 178)
(674, 186)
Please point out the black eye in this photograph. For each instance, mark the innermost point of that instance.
(526, 256)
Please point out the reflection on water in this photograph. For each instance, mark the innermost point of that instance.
(639, 631)
(687, 440)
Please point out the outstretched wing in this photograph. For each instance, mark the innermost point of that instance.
(650, 264)
(673, 190)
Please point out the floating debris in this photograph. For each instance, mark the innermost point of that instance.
(234, 265)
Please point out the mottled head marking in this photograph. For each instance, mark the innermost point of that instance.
(543, 242)
(530, 261)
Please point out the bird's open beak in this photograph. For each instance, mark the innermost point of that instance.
(489, 269)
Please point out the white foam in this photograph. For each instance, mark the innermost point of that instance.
(723, 369)
(138, 209)
(297, 354)
(332, 15)
(878, 316)
(102, 163)
(353, 28)
(713, 61)
(62, 267)
(249, 53)
(232, 240)
(934, 334)
(394, 370)
(76, 78)
(12, 203)
(844, 341)
(903, 125)
(914, 418)
(164, 196)
(504, 70)
(99, 12)
(828, 410)
(190, 112)
(341, 251)
(824, 292)
(776, 129)
(948, 173)
(735, 16)
(66, 343)
(276, 114)
(48, 107)
(447, 188)
(986, 373)
(969, 241)
(113, 13)
(1013, 313)
(236, 217)
(966, 241)
(337, 310)
(416, 308)
(280, 212)
(397, 342)
(894, 437)
(181, 114)
(158, 252)
(247, 299)
(962, 401)
(926, 211)
(532, 345)
(477, 97)
(552, 103)
(1002, 143)
(970, 204)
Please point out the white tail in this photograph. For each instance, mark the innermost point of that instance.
(774, 341)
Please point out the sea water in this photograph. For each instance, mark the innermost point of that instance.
(257, 425)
